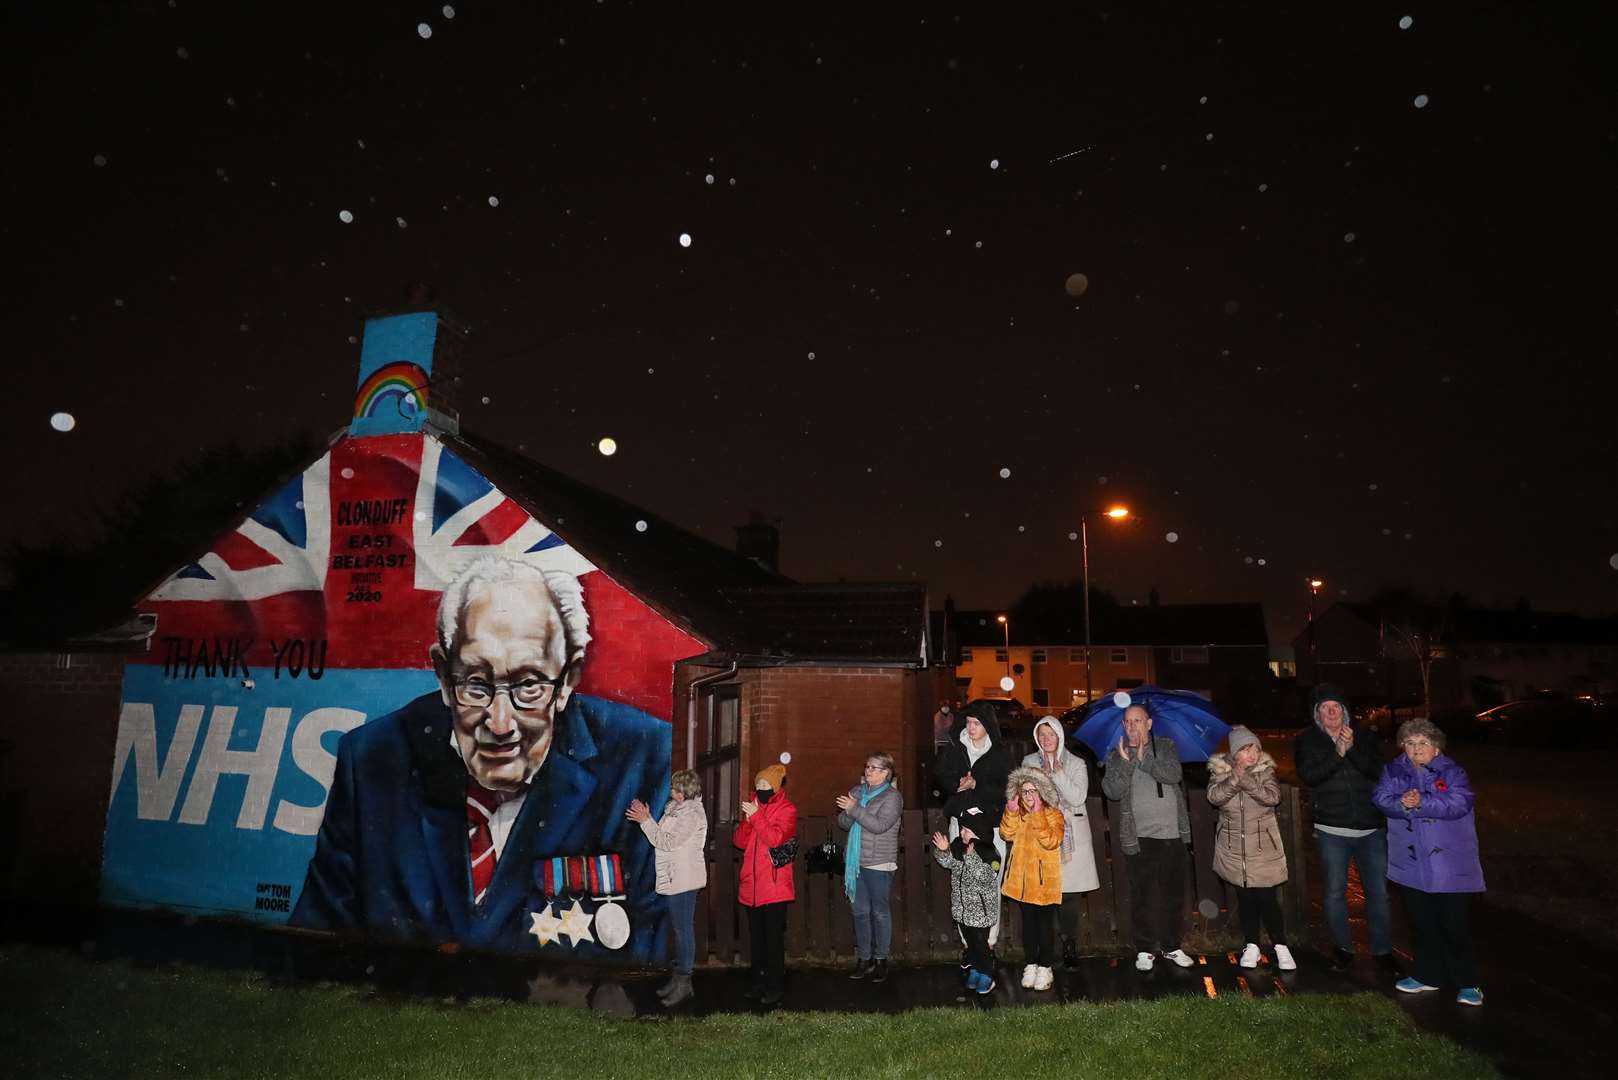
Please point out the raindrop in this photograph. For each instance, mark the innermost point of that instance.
(63, 421)
(424, 30)
(1261, 562)
(347, 473)
(1421, 101)
(708, 179)
(299, 505)
(1248, 559)
(421, 515)
(485, 399)
(449, 12)
(1007, 683)
(1387, 532)
(1208, 137)
(494, 200)
(1076, 284)
(1203, 100)
(118, 301)
(100, 160)
(994, 163)
(732, 181)
(1173, 537)
(1122, 700)
(1005, 474)
(648, 371)
(1613, 562)
(685, 239)
(979, 243)
(640, 526)
(1101, 479)
(1022, 528)
(345, 217)
(608, 446)
(1262, 188)
(1348, 238)
(938, 543)
(1371, 487)
(183, 53)
(1410, 536)
(1072, 536)
(401, 222)
(352, 340)
(811, 356)
(1406, 22)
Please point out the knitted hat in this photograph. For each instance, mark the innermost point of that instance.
(1241, 736)
(773, 776)
(1326, 692)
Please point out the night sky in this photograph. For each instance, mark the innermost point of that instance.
(1325, 331)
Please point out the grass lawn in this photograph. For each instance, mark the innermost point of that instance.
(65, 1016)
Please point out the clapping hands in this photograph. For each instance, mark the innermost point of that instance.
(638, 812)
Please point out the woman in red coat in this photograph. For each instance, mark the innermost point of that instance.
(768, 821)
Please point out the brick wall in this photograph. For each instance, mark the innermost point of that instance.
(61, 723)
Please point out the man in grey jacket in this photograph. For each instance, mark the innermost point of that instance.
(1142, 775)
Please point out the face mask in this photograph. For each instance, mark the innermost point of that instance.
(763, 796)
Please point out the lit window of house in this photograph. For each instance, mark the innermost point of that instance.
(1000, 656)
(1039, 656)
(1075, 656)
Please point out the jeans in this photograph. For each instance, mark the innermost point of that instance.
(1157, 893)
(1370, 855)
(873, 921)
(682, 916)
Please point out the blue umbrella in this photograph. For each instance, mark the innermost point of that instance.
(1189, 719)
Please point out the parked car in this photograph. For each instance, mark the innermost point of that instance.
(1549, 720)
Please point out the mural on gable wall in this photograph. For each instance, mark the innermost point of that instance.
(393, 701)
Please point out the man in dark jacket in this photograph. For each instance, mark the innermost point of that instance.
(970, 773)
(1342, 770)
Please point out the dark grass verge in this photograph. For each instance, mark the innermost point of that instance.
(65, 1016)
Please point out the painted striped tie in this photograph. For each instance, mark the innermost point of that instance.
(480, 806)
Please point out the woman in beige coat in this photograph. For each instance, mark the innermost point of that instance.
(1072, 780)
(1247, 845)
(680, 841)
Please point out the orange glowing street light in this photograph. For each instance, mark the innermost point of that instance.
(1006, 626)
(1116, 513)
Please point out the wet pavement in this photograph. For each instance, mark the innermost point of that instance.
(1550, 1008)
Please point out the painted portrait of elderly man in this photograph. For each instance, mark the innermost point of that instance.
(490, 812)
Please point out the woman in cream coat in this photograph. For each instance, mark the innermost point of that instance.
(680, 840)
(1072, 780)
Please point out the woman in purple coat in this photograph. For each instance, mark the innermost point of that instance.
(1433, 855)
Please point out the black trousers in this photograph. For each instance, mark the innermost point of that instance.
(978, 952)
(1261, 905)
(1441, 937)
(767, 926)
(1038, 934)
(1157, 893)
(1070, 919)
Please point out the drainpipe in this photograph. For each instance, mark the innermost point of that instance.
(691, 710)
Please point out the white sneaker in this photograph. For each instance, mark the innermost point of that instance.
(1143, 961)
(1179, 957)
(1249, 956)
(1043, 978)
(1029, 973)
(1283, 959)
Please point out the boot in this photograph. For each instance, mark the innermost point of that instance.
(861, 969)
(682, 991)
(879, 971)
(668, 984)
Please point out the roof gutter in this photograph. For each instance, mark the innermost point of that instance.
(691, 709)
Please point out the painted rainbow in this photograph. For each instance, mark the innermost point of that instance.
(400, 386)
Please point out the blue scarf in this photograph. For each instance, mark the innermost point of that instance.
(851, 854)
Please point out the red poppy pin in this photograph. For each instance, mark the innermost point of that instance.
(1439, 784)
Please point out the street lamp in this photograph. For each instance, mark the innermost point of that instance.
(1006, 626)
(1116, 513)
(1314, 590)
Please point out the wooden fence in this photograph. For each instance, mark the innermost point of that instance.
(819, 926)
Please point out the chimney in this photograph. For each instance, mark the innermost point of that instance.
(410, 370)
(760, 541)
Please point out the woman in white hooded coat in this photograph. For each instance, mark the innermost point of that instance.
(1072, 780)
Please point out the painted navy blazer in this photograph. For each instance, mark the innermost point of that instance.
(391, 855)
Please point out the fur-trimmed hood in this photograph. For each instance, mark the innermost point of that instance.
(1219, 765)
(1025, 774)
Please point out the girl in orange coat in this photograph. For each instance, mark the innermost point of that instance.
(1033, 825)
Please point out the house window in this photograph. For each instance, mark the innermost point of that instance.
(1039, 656)
(1075, 656)
(1042, 696)
(1189, 654)
(966, 656)
(719, 751)
(1118, 656)
(1000, 656)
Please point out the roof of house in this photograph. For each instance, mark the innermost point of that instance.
(1163, 625)
(1503, 625)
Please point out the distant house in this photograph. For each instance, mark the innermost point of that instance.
(1218, 650)
(1480, 657)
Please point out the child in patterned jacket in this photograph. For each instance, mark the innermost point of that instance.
(974, 899)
